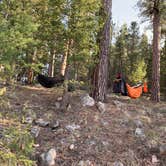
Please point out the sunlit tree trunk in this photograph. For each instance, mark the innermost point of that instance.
(30, 70)
(52, 64)
(65, 56)
(156, 57)
(100, 76)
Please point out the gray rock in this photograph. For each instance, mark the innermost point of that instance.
(59, 99)
(71, 147)
(154, 159)
(72, 127)
(57, 105)
(28, 120)
(54, 125)
(104, 123)
(48, 158)
(35, 131)
(42, 123)
(86, 100)
(139, 132)
(68, 107)
(85, 163)
(117, 163)
(163, 150)
(101, 106)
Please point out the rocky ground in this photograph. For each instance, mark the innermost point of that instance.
(121, 132)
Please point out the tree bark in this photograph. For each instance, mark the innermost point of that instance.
(65, 56)
(52, 64)
(100, 75)
(65, 72)
(155, 96)
(30, 70)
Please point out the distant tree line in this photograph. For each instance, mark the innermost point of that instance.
(69, 35)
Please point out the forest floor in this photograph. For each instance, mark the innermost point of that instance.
(131, 132)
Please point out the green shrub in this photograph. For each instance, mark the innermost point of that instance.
(17, 147)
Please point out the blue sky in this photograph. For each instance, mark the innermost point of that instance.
(125, 11)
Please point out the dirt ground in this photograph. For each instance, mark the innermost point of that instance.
(103, 137)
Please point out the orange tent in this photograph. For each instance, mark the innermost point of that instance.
(134, 92)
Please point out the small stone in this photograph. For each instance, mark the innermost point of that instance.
(101, 106)
(139, 132)
(57, 105)
(68, 107)
(154, 159)
(28, 120)
(54, 125)
(41, 122)
(59, 99)
(138, 123)
(163, 150)
(85, 163)
(35, 131)
(117, 163)
(48, 158)
(72, 127)
(104, 123)
(71, 147)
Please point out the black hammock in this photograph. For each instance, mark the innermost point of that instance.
(49, 82)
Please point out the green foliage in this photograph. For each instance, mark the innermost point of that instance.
(7, 158)
(17, 28)
(147, 8)
(73, 85)
(130, 54)
(139, 72)
(82, 28)
(17, 147)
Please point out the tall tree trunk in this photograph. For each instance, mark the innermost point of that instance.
(100, 76)
(30, 75)
(30, 70)
(65, 72)
(51, 64)
(65, 56)
(155, 96)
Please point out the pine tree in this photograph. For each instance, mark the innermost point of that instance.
(17, 28)
(101, 70)
(155, 10)
(120, 63)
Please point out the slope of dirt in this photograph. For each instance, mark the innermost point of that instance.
(102, 138)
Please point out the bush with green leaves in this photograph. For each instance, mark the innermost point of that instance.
(17, 146)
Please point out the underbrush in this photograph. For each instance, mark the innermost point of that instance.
(16, 147)
(16, 142)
